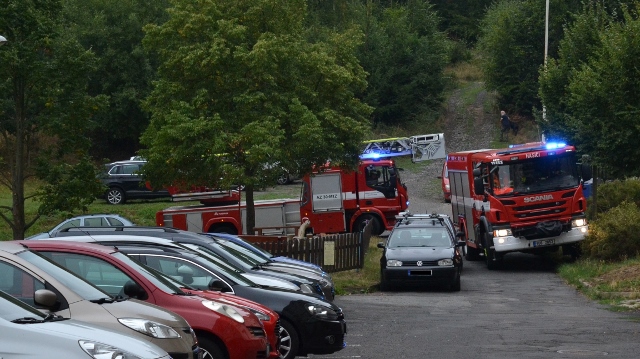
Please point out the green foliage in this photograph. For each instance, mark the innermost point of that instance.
(614, 193)
(45, 110)
(512, 45)
(241, 89)
(615, 234)
(405, 55)
(113, 31)
(604, 100)
(460, 18)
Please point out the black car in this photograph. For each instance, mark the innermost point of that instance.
(222, 248)
(124, 181)
(315, 326)
(421, 249)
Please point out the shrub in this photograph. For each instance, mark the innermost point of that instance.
(612, 194)
(615, 235)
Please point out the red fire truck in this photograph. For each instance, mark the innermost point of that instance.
(525, 198)
(333, 201)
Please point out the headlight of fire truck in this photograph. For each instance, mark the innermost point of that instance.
(394, 263)
(579, 223)
(502, 232)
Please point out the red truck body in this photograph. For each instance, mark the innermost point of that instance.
(332, 200)
(525, 198)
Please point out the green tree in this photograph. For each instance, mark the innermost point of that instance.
(44, 111)
(604, 99)
(580, 42)
(124, 71)
(405, 55)
(240, 89)
(512, 44)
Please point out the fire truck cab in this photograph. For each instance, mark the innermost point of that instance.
(525, 198)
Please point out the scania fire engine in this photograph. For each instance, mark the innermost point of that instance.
(525, 198)
(332, 200)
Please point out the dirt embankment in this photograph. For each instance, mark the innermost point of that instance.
(468, 124)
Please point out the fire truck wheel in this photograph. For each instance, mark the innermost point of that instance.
(376, 228)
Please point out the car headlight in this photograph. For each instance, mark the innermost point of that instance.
(149, 328)
(322, 312)
(325, 283)
(447, 187)
(445, 262)
(579, 222)
(394, 263)
(104, 351)
(305, 288)
(502, 232)
(224, 310)
(262, 316)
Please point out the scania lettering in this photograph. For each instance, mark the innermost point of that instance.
(525, 198)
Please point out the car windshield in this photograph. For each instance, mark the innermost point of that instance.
(419, 237)
(232, 275)
(250, 246)
(244, 251)
(540, 174)
(76, 284)
(12, 308)
(157, 278)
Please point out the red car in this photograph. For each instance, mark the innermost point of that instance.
(223, 330)
(445, 183)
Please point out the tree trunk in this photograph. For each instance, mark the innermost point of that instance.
(17, 177)
(251, 210)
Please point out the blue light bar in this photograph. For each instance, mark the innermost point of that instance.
(554, 145)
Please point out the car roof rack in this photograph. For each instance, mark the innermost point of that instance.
(407, 218)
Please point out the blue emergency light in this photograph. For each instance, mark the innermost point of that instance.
(554, 145)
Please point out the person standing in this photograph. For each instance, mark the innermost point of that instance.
(505, 123)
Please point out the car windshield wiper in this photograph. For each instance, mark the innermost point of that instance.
(53, 318)
(103, 300)
(27, 320)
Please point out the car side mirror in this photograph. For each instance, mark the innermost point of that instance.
(45, 298)
(381, 245)
(134, 290)
(218, 286)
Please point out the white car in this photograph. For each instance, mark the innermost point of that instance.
(28, 333)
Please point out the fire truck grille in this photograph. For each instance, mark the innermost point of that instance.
(534, 232)
(533, 207)
(540, 213)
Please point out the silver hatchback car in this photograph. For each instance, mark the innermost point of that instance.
(28, 333)
(38, 282)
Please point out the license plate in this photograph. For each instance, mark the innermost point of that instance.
(544, 242)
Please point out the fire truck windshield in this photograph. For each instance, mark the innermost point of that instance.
(541, 174)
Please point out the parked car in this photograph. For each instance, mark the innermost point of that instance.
(305, 281)
(37, 281)
(262, 252)
(87, 220)
(421, 249)
(223, 330)
(30, 334)
(444, 178)
(309, 325)
(124, 181)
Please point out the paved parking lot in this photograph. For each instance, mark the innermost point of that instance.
(522, 311)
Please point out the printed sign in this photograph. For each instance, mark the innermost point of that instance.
(326, 196)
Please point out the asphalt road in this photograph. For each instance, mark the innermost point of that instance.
(521, 311)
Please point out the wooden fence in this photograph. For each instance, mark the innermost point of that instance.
(334, 253)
